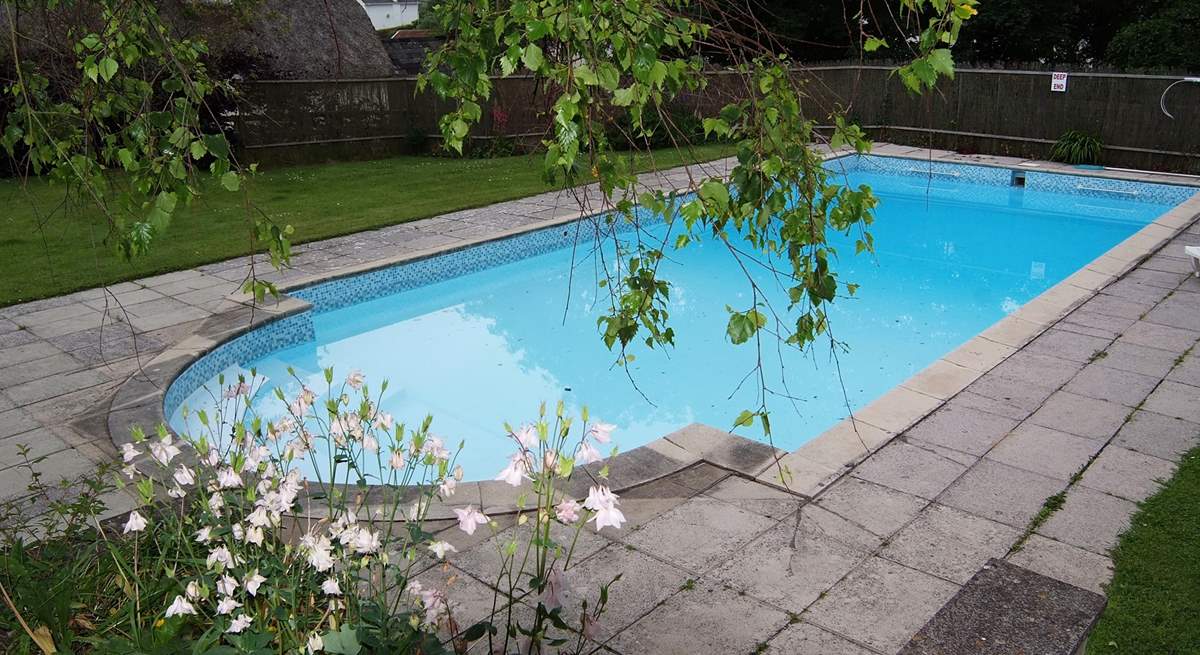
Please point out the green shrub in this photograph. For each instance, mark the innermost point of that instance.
(1076, 148)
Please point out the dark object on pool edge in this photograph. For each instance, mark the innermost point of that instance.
(1006, 610)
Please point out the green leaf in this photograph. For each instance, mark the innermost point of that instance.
(942, 61)
(342, 642)
(533, 57)
(108, 67)
(874, 44)
(198, 149)
(231, 181)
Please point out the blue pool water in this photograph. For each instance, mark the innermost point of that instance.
(956, 251)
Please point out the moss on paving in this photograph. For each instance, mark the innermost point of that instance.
(48, 250)
(1154, 599)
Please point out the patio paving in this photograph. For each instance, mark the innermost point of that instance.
(720, 558)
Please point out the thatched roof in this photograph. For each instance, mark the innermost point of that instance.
(264, 39)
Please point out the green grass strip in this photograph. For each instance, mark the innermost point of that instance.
(1154, 598)
(47, 249)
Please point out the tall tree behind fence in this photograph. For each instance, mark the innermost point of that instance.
(981, 111)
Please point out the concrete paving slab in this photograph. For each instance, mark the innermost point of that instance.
(1037, 369)
(807, 639)
(790, 565)
(911, 469)
(645, 582)
(1068, 345)
(732, 623)
(1005, 610)
(698, 534)
(1126, 356)
(1063, 562)
(1164, 437)
(1043, 450)
(1090, 520)
(1128, 474)
(882, 603)
(756, 497)
(1001, 493)
(1103, 382)
(949, 543)
(1176, 399)
(1081, 416)
(1163, 337)
(877, 508)
(962, 428)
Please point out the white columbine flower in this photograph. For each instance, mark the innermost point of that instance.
(397, 460)
(203, 535)
(184, 476)
(440, 548)
(602, 432)
(193, 590)
(227, 605)
(163, 451)
(315, 643)
(129, 452)
(365, 541)
(331, 587)
(526, 435)
(370, 444)
(179, 606)
(603, 502)
(586, 454)
(567, 511)
(515, 471)
(136, 523)
(446, 488)
(240, 623)
(254, 535)
(227, 478)
(227, 585)
(220, 556)
(253, 582)
(470, 518)
(355, 380)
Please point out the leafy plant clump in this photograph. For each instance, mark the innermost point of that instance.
(1076, 148)
(230, 549)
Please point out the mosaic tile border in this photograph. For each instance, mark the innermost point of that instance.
(264, 339)
(1080, 184)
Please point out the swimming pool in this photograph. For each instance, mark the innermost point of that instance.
(480, 336)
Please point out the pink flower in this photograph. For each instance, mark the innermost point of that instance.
(603, 502)
(602, 432)
(446, 488)
(397, 460)
(567, 511)
(136, 523)
(355, 380)
(586, 454)
(470, 518)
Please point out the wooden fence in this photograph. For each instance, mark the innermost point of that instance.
(979, 111)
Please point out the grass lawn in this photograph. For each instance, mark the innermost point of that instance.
(320, 201)
(1154, 599)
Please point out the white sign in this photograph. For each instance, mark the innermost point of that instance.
(1058, 82)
